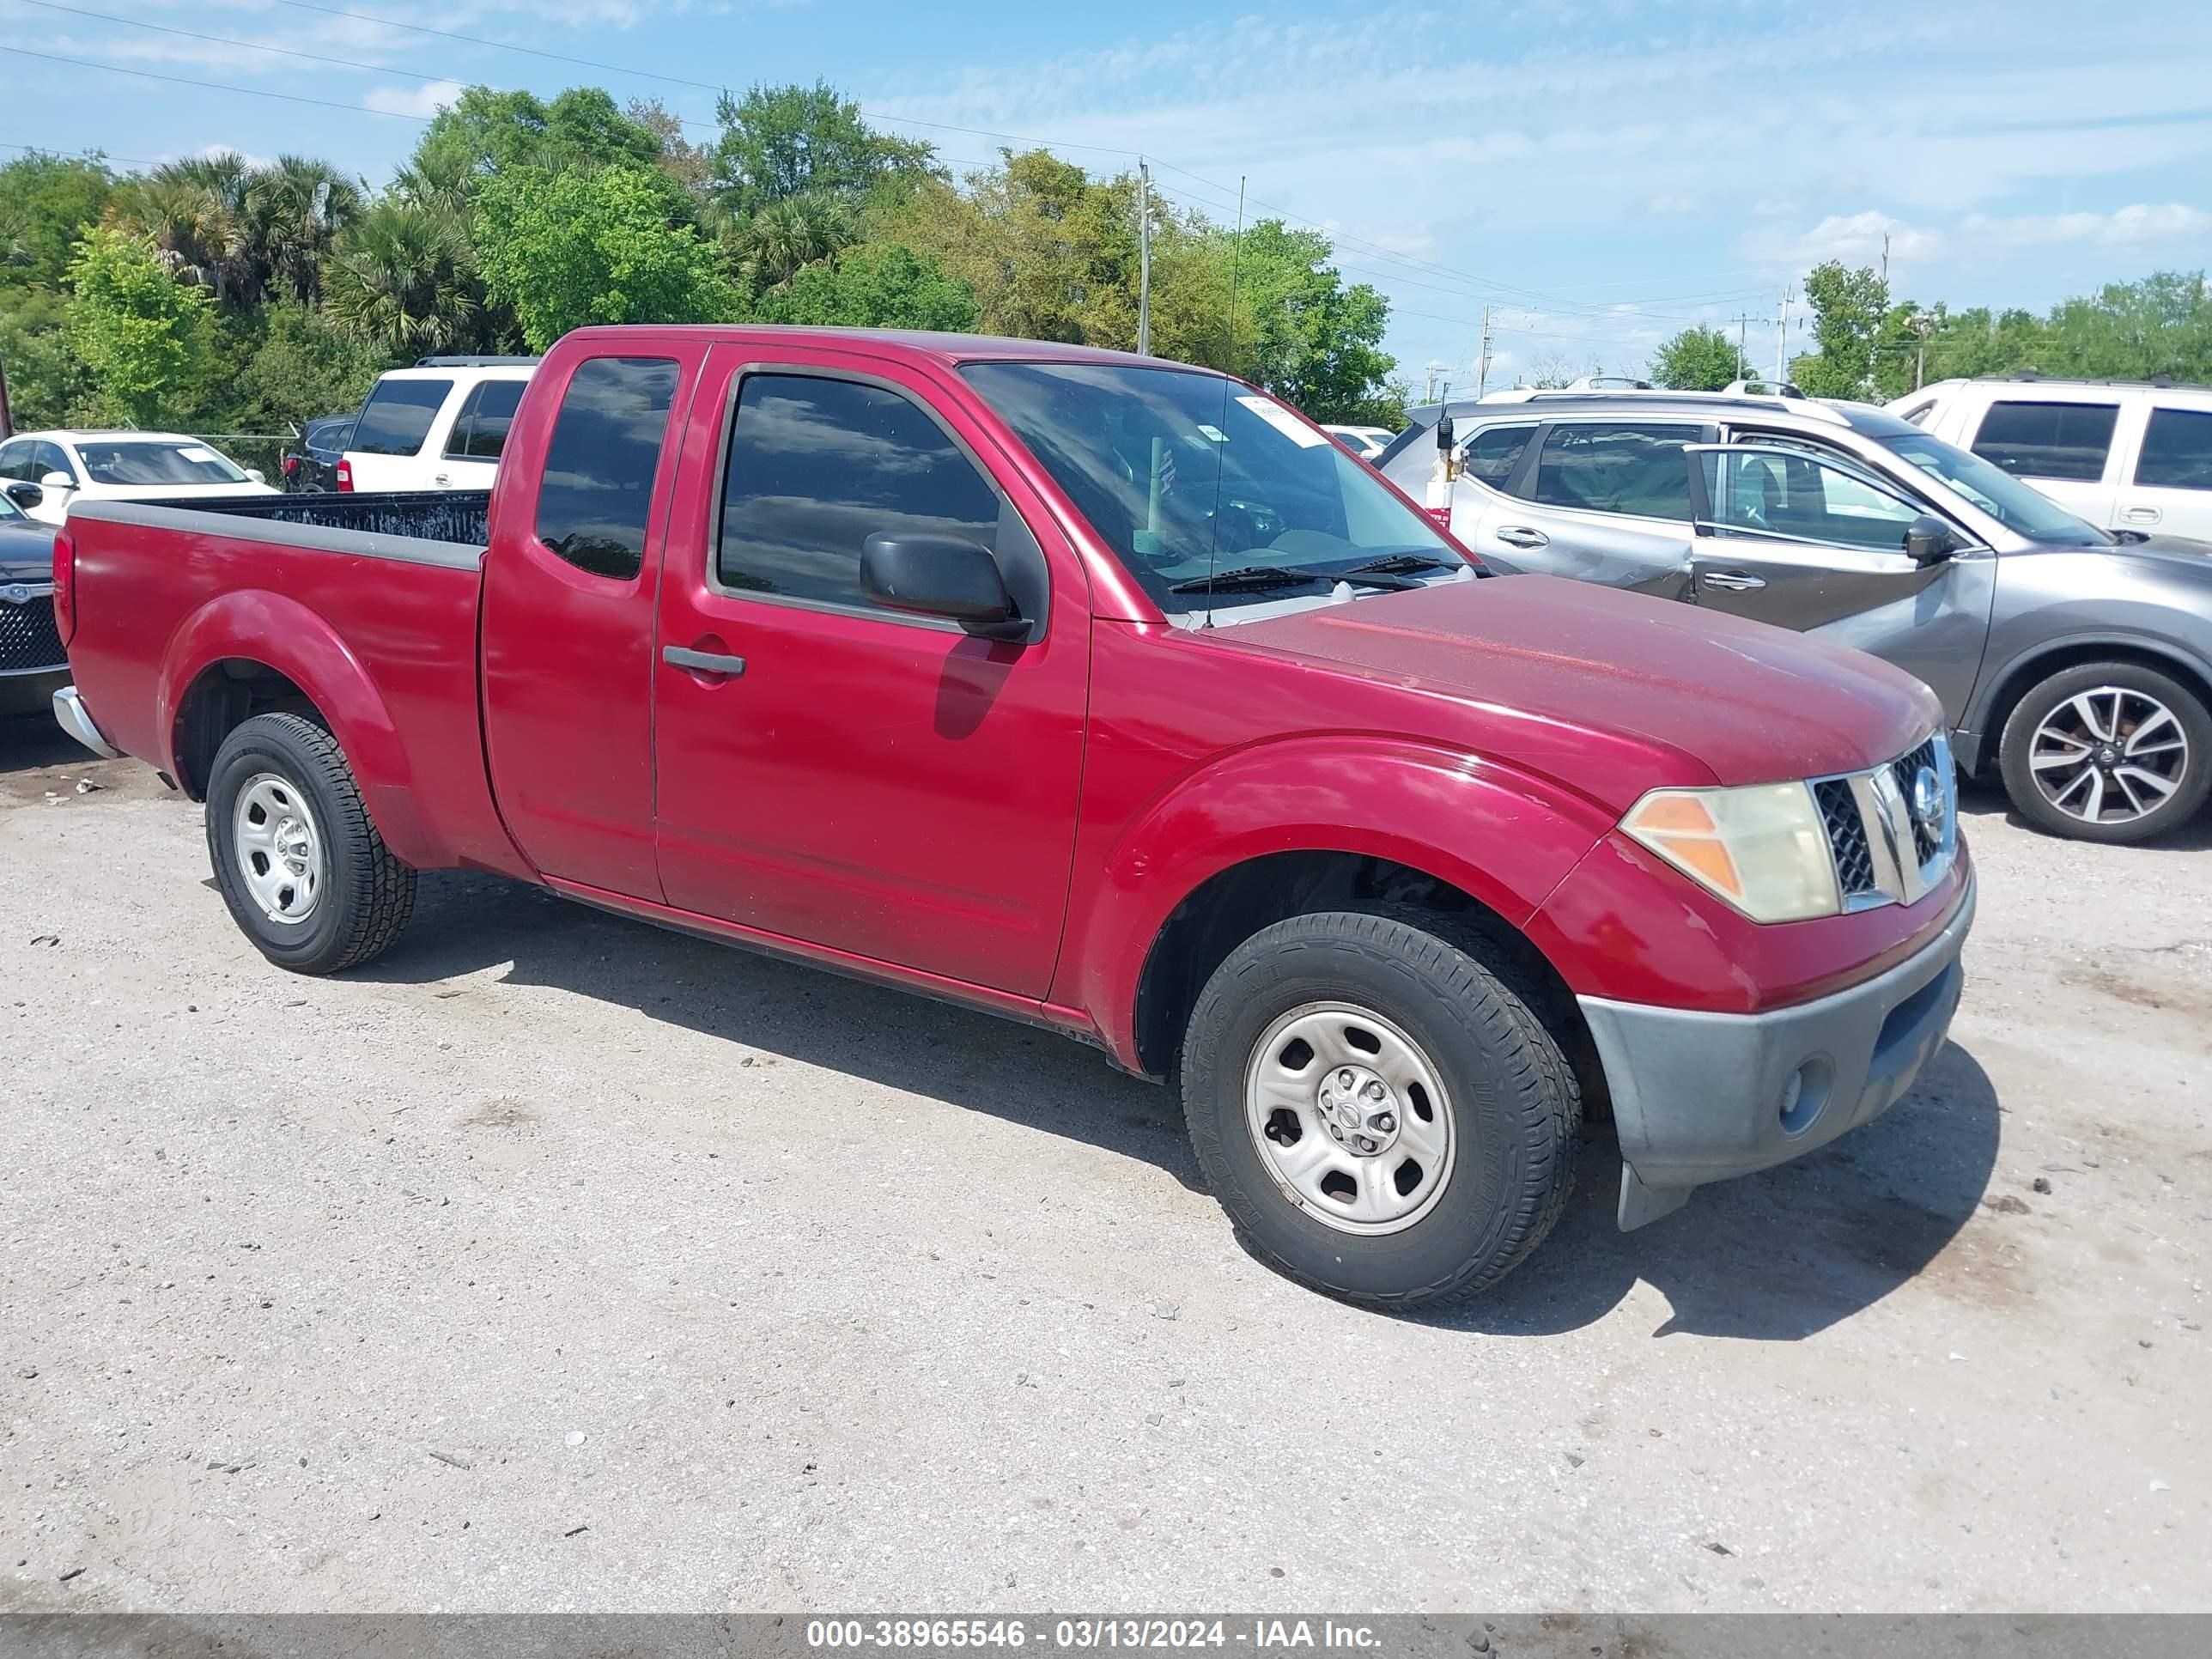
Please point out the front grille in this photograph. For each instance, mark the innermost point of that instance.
(1927, 837)
(27, 636)
(1847, 836)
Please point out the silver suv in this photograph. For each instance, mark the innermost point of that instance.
(2074, 662)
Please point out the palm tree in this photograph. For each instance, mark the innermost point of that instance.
(784, 237)
(195, 211)
(295, 211)
(403, 276)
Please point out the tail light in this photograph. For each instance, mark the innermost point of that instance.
(291, 464)
(64, 587)
(345, 473)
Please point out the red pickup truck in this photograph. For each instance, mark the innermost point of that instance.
(1099, 692)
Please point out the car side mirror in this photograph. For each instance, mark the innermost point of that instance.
(26, 496)
(1929, 540)
(57, 480)
(257, 475)
(947, 576)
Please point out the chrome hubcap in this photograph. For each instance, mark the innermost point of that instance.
(2109, 756)
(277, 848)
(1349, 1117)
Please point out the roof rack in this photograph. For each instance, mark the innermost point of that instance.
(467, 361)
(1774, 394)
(2157, 382)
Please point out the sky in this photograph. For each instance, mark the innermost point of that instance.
(1596, 175)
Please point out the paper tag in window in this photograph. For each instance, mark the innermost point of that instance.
(1214, 434)
(1284, 422)
(197, 454)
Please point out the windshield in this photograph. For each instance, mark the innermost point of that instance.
(9, 513)
(139, 463)
(1211, 495)
(2003, 497)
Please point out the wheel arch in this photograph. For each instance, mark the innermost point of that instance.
(2031, 668)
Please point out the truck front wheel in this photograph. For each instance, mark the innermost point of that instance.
(301, 864)
(1377, 1104)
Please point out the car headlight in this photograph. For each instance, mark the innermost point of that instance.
(1763, 848)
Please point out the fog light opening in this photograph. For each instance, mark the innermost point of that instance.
(1804, 1092)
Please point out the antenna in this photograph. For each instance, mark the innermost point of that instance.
(1235, 253)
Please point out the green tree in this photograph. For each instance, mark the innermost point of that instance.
(484, 132)
(1300, 331)
(1848, 309)
(45, 379)
(782, 142)
(881, 285)
(295, 211)
(568, 249)
(143, 337)
(46, 204)
(404, 277)
(784, 237)
(1698, 359)
(296, 364)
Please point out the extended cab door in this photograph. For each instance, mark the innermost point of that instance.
(1817, 545)
(833, 771)
(569, 593)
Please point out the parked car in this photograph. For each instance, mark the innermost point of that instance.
(1364, 442)
(311, 465)
(2123, 456)
(439, 425)
(72, 468)
(906, 656)
(32, 664)
(2074, 664)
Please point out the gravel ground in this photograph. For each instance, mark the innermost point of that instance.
(556, 1262)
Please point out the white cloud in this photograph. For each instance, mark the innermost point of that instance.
(2127, 226)
(1856, 238)
(424, 100)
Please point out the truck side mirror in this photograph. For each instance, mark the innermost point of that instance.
(1929, 540)
(947, 576)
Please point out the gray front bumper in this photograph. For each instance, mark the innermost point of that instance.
(1700, 1097)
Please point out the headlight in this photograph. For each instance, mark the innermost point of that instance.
(1762, 849)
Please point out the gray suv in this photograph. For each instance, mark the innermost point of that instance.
(2076, 662)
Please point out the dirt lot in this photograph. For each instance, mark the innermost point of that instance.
(555, 1262)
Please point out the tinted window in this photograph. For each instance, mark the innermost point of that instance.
(816, 466)
(599, 468)
(2176, 451)
(2048, 440)
(1492, 454)
(397, 416)
(131, 463)
(1606, 466)
(480, 430)
(15, 460)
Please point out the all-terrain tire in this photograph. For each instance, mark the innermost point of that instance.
(364, 895)
(1471, 1014)
(2145, 688)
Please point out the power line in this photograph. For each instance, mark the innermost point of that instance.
(216, 85)
(85, 154)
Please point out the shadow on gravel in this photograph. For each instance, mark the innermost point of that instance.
(464, 923)
(32, 739)
(1779, 1255)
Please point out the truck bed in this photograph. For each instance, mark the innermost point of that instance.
(363, 605)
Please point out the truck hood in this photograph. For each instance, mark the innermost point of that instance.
(1743, 702)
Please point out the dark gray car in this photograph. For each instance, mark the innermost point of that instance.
(33, 666)
(2076, 663)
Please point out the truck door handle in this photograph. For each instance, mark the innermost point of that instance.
(1515, 534)
(701, 662)
(1734, 582)
(2142, 515)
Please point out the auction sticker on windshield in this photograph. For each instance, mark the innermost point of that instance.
(1284, 422)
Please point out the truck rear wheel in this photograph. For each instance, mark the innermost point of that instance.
(1378, 1107)
(301, 864)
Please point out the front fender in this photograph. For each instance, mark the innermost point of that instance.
(255, 625)
(1504, 837)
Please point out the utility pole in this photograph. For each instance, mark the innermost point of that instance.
(1144, 259)
(1884, 262)
(1482, 363)
(1922, 324)
(1742, 322)
(1782, 342)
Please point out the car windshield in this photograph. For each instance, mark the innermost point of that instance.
(2013, 504)
(1212, 495)
(141, 463)
(9, 513)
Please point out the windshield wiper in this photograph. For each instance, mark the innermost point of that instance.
(1399, 565)
(1251, 579)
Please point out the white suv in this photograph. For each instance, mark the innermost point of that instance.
(2124, 455)
(439, 425)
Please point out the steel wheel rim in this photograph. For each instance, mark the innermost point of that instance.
(1324, 1082)
(276, 847)
(2109, 755)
